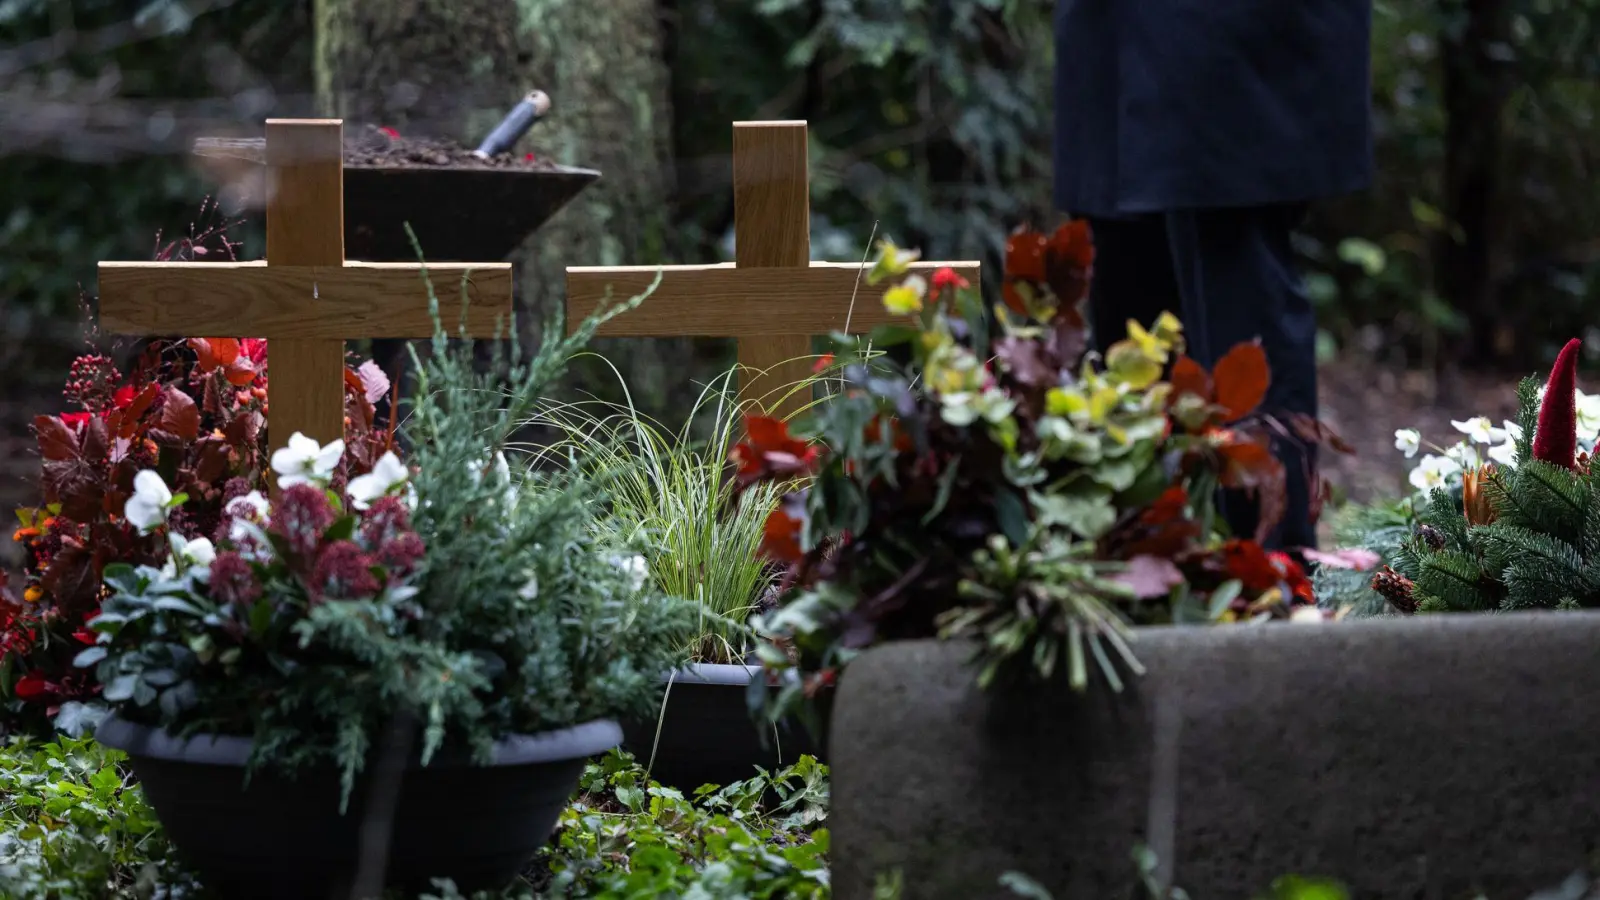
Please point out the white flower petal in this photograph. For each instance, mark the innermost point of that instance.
(1504, 454)
(327, 459)
(148, 484)
(142, 514)
(1408, 441)
(200, 552)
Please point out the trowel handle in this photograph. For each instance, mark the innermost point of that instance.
(531, 109)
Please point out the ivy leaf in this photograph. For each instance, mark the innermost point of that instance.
(1242, 378)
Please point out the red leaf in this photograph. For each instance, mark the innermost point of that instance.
(129, 421)
(224, 350)
(241, 372)
(1189, 377)
(1246, 464)
(373, 381)
(56, 440)
(780, 538)
(1150, 576)
(1353, 558)
(179, 416)
(1241, 378)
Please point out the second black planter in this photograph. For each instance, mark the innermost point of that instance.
(704, 733)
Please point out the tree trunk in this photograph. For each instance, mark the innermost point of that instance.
(452, 68)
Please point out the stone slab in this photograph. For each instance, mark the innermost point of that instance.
(1412, 758)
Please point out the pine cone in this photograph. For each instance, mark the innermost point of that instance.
(1431, 536)
(1399, 590)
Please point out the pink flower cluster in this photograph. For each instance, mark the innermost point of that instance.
(381, 548)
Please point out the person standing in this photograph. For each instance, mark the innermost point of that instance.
(1192, 135)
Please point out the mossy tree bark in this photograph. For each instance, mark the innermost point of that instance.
(452, 68)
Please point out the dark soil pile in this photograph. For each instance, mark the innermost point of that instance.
(373, 146)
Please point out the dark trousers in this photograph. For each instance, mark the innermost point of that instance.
(1229, 274)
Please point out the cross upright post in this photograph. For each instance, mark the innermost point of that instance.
(772, 298)
(305, 298)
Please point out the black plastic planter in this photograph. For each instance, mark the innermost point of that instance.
(281, 839)
(706, 735)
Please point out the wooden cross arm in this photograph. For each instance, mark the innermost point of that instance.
(727, 301)
(358, 299)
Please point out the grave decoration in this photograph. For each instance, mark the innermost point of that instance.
(196, 410)
(772, 299)
(1522, 532)
(1007, 488)
(431, 650)
(462, 203)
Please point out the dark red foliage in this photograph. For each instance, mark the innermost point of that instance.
(1555, 440)
(344, 572)
(300, 517)
(232, 579)
(195, 410)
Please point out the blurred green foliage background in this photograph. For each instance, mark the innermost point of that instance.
(1480, 246)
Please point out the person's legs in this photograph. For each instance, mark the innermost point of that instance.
(1236, 273)
(1133, 277)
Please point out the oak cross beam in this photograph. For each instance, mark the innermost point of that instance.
(772, 298)
(305, 298)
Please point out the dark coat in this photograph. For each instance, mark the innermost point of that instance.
(1186, 104)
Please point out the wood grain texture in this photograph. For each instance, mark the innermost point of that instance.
(305, 227)
(772, 229)
(310, 302)
(726, 301)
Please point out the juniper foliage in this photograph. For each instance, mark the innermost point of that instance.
(1538, 549)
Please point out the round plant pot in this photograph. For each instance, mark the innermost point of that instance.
(286, 838)
(704, 733)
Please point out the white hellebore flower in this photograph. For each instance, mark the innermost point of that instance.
(1408, 441)
(305, 461)
(1464, 455)
(199, 552)
(1480, 430)
(387, 474)
(147, 508)
(1588, 406)
(195, 554)
(1433, 471)
(252, 507)
(1504, 454)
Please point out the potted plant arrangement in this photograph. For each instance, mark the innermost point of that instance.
(387, 681)
(193, 410)
(1029, 504)
(673, 492)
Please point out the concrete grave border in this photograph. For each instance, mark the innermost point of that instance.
(1424, 757)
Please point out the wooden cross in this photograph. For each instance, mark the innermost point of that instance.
(773, 298)
(304, 298)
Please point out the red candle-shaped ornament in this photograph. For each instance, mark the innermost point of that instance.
(1555, 441)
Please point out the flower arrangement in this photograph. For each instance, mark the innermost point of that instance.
(470, 597)
(193, 410)
(1006, 486)
(1521, 532)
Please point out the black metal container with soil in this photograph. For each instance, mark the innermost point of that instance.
(704, 733)
(462, 207)
(280, 838)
